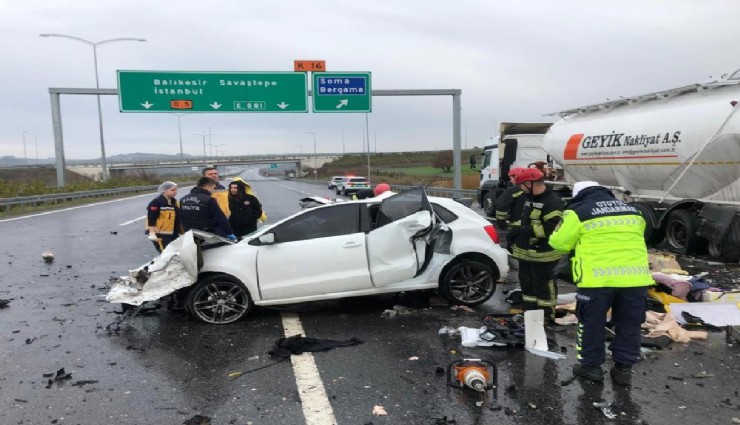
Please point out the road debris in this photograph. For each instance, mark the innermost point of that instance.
(61, 375)
(4, 303)
(378, 410)
(48, 256)
(198, 420)
(606, 409)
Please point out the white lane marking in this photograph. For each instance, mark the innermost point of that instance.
(72, 208)
(133, 221)
(316, 407)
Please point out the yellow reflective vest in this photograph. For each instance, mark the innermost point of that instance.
(607, 236)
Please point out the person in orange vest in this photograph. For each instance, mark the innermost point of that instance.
(163, 217)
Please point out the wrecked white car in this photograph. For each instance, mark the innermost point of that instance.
(393, 243)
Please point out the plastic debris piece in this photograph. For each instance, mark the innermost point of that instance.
(448, 330)
(234, 375)
(389, 313)
(606, 409)
(4, 303)
(703, 374)
(378, 410)
(412, 358)
(253, 358)
(463, 308)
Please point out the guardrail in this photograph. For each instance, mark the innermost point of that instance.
(442, 192)
(20, 204)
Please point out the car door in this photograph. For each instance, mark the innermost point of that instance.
(318, 252)
(396, 246)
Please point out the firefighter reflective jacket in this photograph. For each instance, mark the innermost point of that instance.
(608, 238)
(542, 214)
(164, 215)
(510, 204)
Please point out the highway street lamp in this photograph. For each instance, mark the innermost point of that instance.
(95, 45)
(204, 143)
(25, 157)
(315, 168)
(179, 131)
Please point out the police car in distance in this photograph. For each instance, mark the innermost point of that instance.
(336, 180)
(352, 185)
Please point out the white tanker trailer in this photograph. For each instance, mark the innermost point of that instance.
(675, 153)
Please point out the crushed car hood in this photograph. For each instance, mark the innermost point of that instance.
(176, 267)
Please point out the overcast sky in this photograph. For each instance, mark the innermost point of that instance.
(513, 61)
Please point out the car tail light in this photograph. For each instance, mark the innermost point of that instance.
(491, 233)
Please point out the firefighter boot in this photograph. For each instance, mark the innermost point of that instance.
(621, 374)
(592, 373)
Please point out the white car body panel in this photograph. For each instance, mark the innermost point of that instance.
(390, 252)
(302, 268)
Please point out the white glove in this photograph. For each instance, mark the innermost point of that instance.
(152, 236)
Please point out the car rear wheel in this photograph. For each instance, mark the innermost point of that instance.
(219, 299)
(468, 282)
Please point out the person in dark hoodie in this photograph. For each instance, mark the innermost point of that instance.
(245, 209)
(200, 211)
(610, 267)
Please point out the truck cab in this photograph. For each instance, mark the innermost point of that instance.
(518, 145)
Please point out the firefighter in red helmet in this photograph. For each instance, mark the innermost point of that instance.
(543, 212)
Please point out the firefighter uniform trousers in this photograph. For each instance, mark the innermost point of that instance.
(539, 290)
(628, 311)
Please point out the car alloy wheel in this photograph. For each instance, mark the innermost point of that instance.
(468, 282)
(219, 299)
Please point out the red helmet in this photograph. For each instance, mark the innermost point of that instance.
(383, 187)
(528, 175)
(514, 171)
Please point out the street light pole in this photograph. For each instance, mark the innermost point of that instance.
(315, 168)
(25, 157)
(103, 162)
(205, 157)
(179, 132)
(36, 145)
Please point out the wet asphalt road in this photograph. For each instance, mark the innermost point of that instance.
(166, 367)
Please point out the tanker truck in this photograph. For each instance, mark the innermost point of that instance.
(675, 154)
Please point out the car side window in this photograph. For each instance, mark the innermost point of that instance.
(336, 220)
(444, 214)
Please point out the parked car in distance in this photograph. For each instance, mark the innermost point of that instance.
(335, 180)
(352, 185)
(387, 244)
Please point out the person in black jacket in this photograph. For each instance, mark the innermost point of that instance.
(245, 209)
(200, 211)
(543, 212)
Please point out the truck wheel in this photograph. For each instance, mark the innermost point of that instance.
(653, 234)
(489, 206)
(681, 232)
(729, 247)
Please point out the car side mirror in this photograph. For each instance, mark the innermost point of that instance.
(266, 239)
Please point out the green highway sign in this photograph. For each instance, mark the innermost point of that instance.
(342, 92)
(176, 91)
